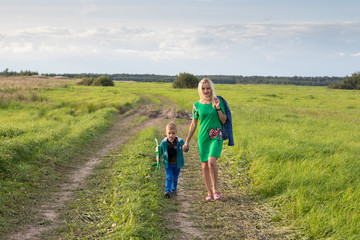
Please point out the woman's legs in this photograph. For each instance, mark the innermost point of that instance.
(210, 175)
(206, 177)
(213, 173)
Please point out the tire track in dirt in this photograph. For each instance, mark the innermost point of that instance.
(49, 211)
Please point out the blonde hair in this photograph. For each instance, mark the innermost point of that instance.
(171, 125)
(212, 86)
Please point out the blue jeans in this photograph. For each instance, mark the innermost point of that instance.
(172, 174)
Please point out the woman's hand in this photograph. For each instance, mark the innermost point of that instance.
(186, 147)
(217, 103)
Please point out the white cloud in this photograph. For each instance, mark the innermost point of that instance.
(261, 42)
(18, 47)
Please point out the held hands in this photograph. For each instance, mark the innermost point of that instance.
(186, 147)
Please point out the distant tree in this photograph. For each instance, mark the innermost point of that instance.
(185, 80)
(103, 81)
(28, 73)
(86, 81)
(352, 82)
(5, 73)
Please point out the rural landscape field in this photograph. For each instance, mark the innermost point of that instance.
(292, 174)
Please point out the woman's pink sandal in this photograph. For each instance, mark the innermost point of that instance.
(217, 196)
(209, 198)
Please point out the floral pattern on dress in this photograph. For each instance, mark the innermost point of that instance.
(215, 133)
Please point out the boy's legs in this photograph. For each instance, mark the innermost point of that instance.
(176, 172)
(169, 177)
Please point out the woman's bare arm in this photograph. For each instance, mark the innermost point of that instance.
(222, 116)
(192, 130)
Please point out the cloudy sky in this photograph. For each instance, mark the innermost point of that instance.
(228, 37)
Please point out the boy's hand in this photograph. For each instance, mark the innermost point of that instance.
(185, 148)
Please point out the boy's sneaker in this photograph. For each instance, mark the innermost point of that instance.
(167, 194)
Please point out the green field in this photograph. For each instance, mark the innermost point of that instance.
(42, 125)
(299, 147)
(296, 148)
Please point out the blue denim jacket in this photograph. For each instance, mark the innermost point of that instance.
(179, 152)
(227, 126)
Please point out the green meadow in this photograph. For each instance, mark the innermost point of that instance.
(296, 148)
(42, 126)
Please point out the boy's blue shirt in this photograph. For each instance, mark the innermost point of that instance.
(227, 126)
(179, 152)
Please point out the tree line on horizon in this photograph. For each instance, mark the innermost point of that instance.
(224, 79)
(352, 83)
(7, 73)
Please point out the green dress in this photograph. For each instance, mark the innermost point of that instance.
(210, 138)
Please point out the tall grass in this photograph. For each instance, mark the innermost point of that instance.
(301, 148)
(298, 148)
(306, 165)
(39, 136)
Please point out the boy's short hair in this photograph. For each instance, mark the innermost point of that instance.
(171, 126)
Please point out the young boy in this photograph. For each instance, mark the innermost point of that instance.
(171, 149)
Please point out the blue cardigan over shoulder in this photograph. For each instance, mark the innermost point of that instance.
(227, 126)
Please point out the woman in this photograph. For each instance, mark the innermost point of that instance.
(210, 111)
